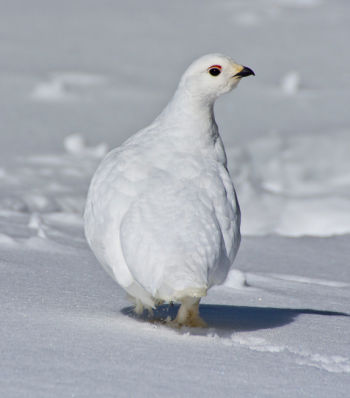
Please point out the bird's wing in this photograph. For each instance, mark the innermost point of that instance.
(115, 185)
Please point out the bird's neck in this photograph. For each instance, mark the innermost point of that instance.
(190, 117)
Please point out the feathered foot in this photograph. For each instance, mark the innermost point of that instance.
(188, 314)
(140, 308)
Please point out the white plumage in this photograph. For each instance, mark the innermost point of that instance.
(162, 215)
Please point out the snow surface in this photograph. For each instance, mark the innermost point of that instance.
(78, 77)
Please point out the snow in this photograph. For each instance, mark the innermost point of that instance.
(291, 82)
(76, 145)
(66, 334)
(279, 325)
(294, 184)
(65, 86)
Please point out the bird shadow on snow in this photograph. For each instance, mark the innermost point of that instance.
(227, 318)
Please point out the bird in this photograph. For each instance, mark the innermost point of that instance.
(162, 215)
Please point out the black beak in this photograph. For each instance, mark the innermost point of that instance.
(244, 72)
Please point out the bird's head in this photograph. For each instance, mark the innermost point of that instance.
(212, 75)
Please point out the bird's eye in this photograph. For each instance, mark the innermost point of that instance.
(215, 70)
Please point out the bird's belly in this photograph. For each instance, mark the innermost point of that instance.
(172, 240)
(165, 233)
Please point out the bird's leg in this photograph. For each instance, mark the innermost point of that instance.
(138, 309)
(188, 314)
(150, 311)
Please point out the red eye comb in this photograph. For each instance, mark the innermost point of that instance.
(215, 66)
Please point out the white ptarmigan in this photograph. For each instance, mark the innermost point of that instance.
(162, 215)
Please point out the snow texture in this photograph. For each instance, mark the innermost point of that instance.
(279, 325)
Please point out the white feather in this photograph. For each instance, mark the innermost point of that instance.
(162, 215)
